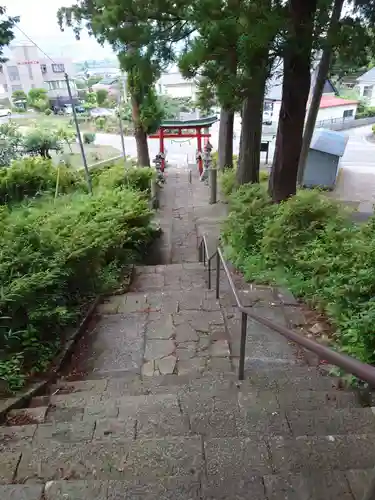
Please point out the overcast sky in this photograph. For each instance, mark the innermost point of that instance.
(39, 22)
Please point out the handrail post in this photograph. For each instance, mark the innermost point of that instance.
(241, 369)
(209, 273)
(217, 275)
(213, 185)
(200, 251)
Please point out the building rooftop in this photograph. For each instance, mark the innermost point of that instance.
(330, 101)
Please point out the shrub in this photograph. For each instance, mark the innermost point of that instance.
(373, 129)
(250, 209)
(48, 111)
(227, 181)
(118, 175)
(101, 122)
(54, 257)
(31, 177)
(89, 137)
(310, 244)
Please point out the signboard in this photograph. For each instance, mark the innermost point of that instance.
(27, 62)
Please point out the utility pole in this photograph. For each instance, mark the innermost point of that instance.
(87, 173)
(321, 77)
(120, 125)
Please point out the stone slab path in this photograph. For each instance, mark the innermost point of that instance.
(169, 323)
(160, 413)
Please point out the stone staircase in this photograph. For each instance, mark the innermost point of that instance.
(158, 413)
(151, 407)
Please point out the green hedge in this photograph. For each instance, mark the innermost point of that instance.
(119, 175)
(30, 177)
(309, 244)
(55, 256)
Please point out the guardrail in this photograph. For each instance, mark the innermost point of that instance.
(351, 365)
(362, 370)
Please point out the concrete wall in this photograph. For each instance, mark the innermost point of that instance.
(347, 124)
(370, 100)
(336, 112)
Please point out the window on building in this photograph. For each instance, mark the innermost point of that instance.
(13, 73)
(348, 113)
(16, 87)
(56, 84)
(367, 90)
(43, 68)
(5, 87)
(1, 68)
(58, 68)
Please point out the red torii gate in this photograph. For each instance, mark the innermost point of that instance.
(183, 129)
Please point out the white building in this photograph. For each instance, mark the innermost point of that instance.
(332, 108)
(27, 69)
(174, 85)
(366, 87)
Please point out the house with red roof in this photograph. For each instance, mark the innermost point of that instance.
(332, 108)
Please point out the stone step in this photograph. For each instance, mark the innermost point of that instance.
(224, 459)
(213, 410)
(345, 485)
(330, 421)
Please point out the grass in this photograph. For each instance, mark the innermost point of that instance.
(94, 154)
(42, 120)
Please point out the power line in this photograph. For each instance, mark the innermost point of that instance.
(36, 45)
(88, 177)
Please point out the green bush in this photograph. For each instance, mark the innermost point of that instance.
(373, 129)
(89, 137)
(215, 159)
(31, 177)
(250, 208)
(227, 181)
(118, 175)
(309, 244)
(55, 256)
(48, 112)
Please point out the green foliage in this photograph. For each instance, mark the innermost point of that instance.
(119, 176)
(227, 180)
(101, 122)
(38, 99)
(88, 137)
(90, 100)
(309, 244)
(364, 111)
(39, 141)
(11, 143)
(67, 135)
(48, 112)
(31, 177)
(19, 95)
(55, 256)
(101, 96)
(7, 25)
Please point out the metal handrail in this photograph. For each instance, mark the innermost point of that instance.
(361, 370)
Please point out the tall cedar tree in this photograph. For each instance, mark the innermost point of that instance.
(232, 56)
(295, 93)
(142, 35)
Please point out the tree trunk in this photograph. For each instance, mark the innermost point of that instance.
(296, 88)
(321, 78)
(226, 138)
(251, 133)
(140, 135)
